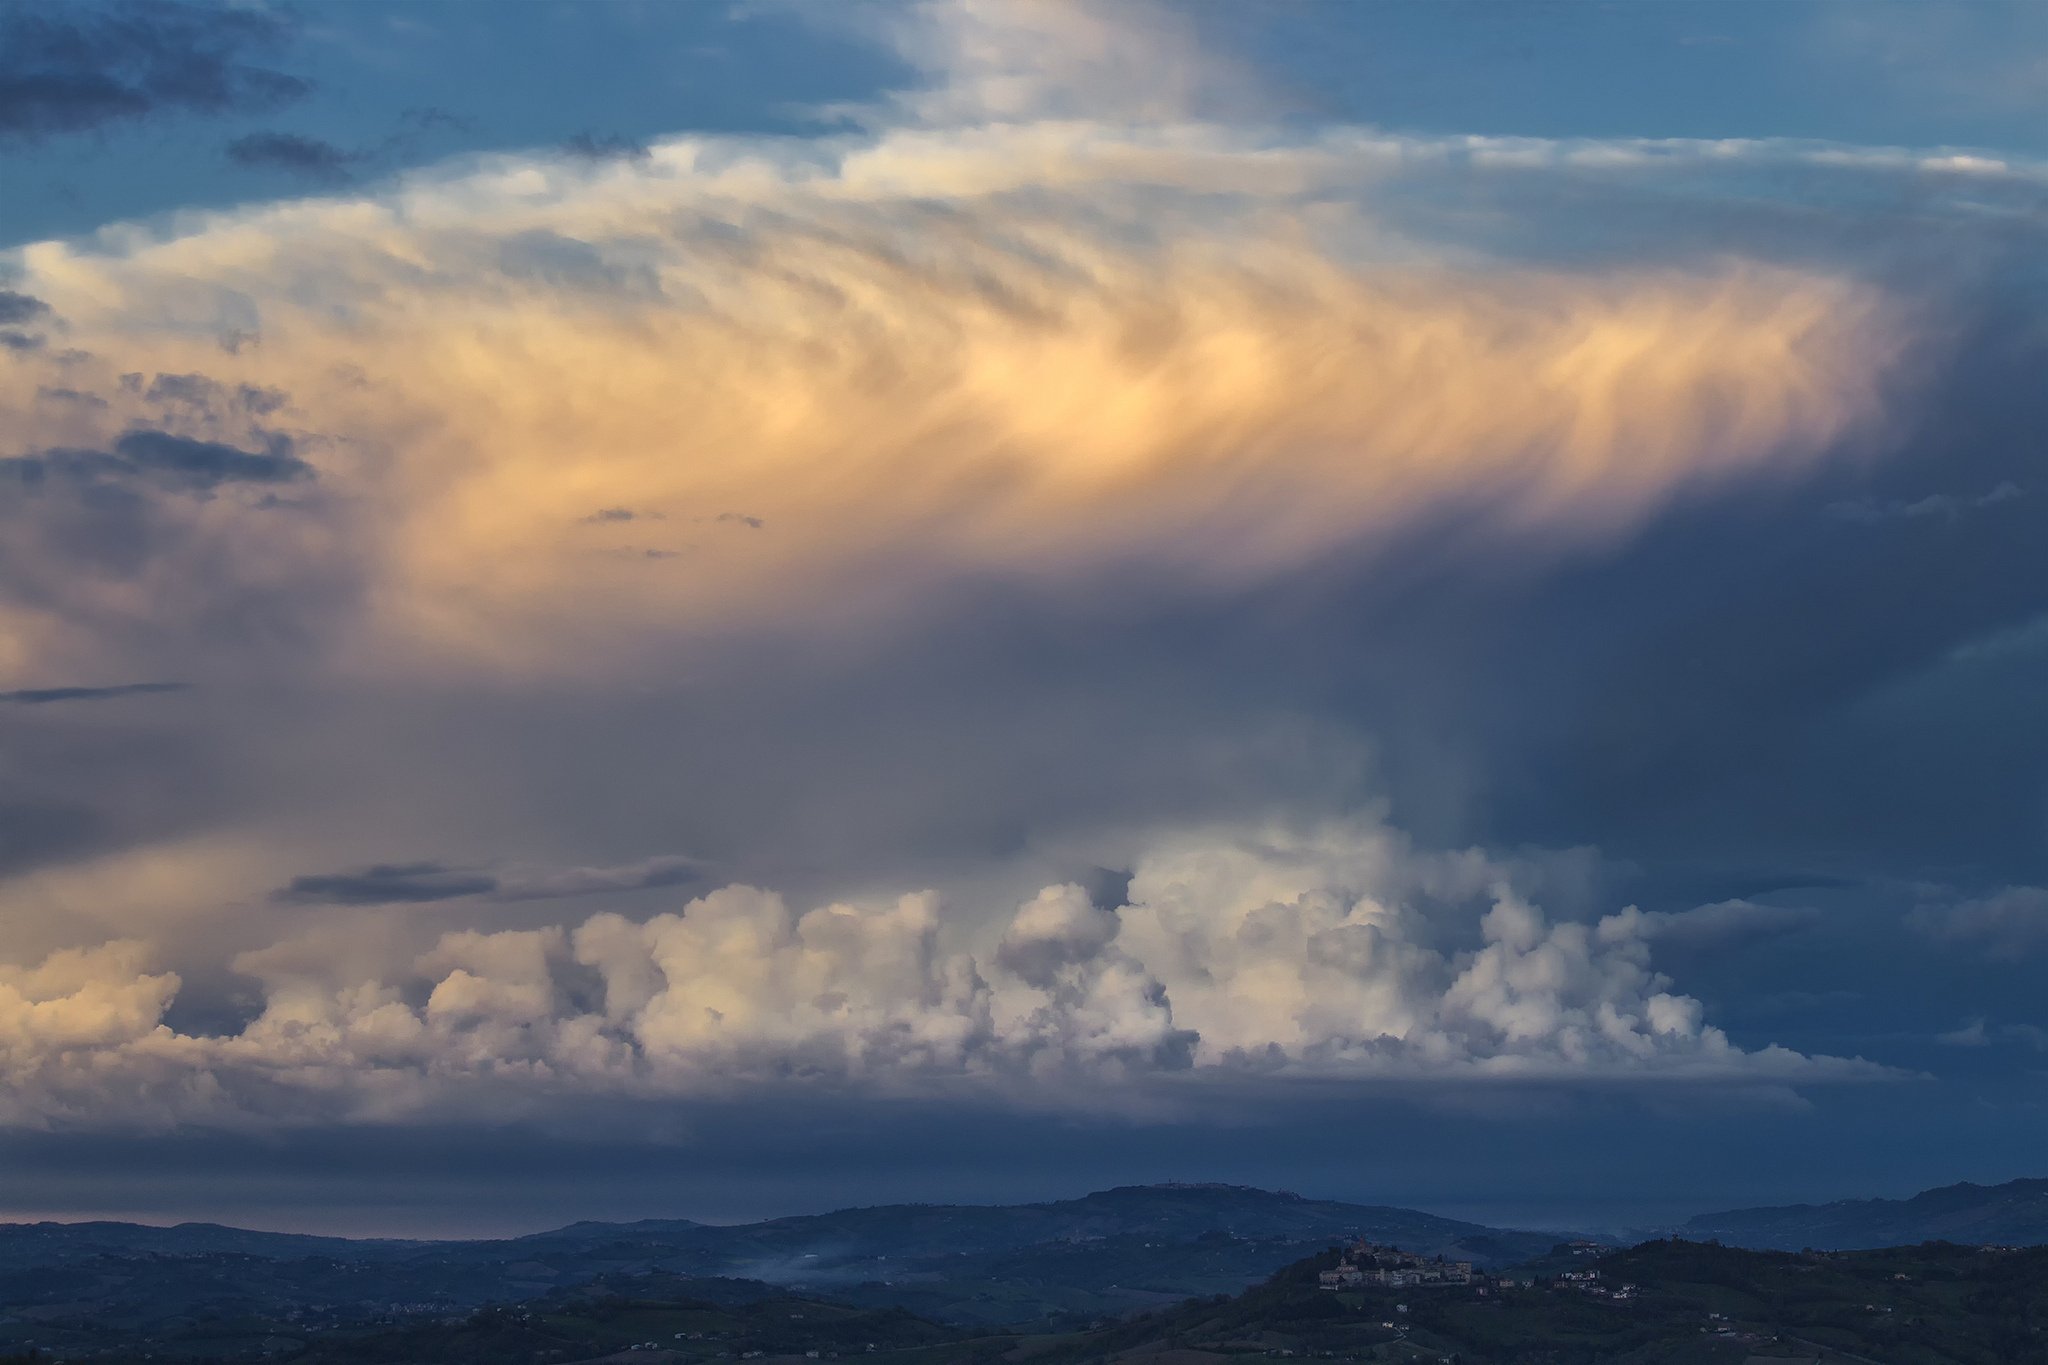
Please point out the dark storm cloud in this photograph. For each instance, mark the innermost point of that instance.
(17, 308)
(181, 461)
(425, 882)
(386, 884)
(40, 696)
(311, 157)
(69, 68)
(1754, 684)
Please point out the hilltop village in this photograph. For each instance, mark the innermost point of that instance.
(1368, 1264)
(1371, 1265)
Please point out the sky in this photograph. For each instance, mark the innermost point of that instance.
(724, 609)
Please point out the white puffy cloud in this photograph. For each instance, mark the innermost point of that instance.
(82, 998)
(1336, 952)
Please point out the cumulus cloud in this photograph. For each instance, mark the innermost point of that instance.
(1239, 953)
(74, 1031)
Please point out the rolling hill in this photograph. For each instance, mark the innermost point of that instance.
(1103, 1254)
(2012, 1214)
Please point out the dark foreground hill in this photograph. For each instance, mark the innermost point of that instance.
(1104, 1254)
(1661, 1303)
(2012, 1214)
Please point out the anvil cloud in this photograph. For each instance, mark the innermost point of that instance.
(553, 431)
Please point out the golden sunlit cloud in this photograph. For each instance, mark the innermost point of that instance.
(551, 408)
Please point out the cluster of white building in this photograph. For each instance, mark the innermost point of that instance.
(1589, 1282)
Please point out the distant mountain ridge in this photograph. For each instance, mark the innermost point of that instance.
(2012, 1214)
(1166, 1211)
(1105, 1253)
(46, 1241)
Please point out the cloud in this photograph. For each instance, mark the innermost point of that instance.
(155, 551)
(1104, 448)
(311, 157)
(2010, 923)
(39, 696)
(1981, 1032)
(1945, 506)
(1063, 371)
(609, 515)
(178, 461)
(1724, 924)
(419, 883)
(1006, 60)
(76, 68)
(1241, 956)
(18, 308)
(207, 464)
(386, 883)
(532, 883)
(593, 147)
